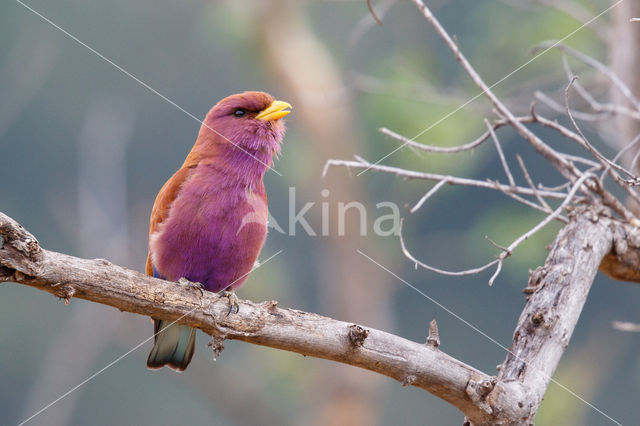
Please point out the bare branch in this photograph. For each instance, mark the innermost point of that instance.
(503, 160)
(411, 174)
(593, 102)
(613, 77)
(373, 13)
(506, 252)
(531, 185)
(556, 294)
(525, 201)
(567, 169)
(22, 260)
(557, 107)
(605, 161)
(428, 195)
(440, 149)
(584, 141)
(552, 216)
(417, 263)
(620, 153)
(533, 118)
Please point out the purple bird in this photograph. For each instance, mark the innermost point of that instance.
(209, 221)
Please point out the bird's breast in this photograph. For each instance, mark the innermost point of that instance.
(213, 233)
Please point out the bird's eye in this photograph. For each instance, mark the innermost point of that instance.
(239, 113)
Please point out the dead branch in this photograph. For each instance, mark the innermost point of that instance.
(592, 240)
(566, 168)
(525, 172)
(23, 261)
(594, 63)
(453, 180)
(556, 293)
(506, 251)
(483, 399)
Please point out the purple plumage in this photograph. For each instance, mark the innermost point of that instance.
(209, 221)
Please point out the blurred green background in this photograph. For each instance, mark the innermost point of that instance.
(85, 149)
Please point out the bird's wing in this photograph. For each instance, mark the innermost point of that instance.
(162, 205)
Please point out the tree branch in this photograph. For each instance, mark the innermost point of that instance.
(556, 293)
(22, 260)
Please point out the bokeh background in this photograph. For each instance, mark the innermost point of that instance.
(85, 149)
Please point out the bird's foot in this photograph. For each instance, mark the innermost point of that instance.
(192, 284)
(233, 300)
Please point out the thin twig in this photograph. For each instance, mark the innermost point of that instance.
(620, 153)
(411, 174)
(593, 102)
(605, 161)
(506, 252)
(527, 202)
(417, 263)
(530, 182)
(373, 13)
(567, 169)
(612, 76)
(505, 165)
(533, 118)
(554, 188)
(428, 195)
(439, 149)
(556, 212)
(634, 161)
(557, 107)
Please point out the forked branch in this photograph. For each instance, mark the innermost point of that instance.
(22, 260)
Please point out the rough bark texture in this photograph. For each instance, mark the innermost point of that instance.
(556, 294)
(22, 260)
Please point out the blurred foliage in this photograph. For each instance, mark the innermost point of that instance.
(198, 52)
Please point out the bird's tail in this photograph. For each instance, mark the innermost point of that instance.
(173, 346)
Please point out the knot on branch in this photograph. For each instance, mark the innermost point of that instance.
(538, 319)
(433, 339)
(19, 249)
(357, 335)
(409, 380)
(217, 345)
(623, 262)
(65, 291)
(272, 308)
(478, 390)
(535, 278)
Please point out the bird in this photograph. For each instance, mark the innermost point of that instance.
(209, 221)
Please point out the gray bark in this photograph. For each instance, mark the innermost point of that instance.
(555, 296)
(22, 260)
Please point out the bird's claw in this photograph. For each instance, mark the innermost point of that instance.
(233, 300)
(192, 284)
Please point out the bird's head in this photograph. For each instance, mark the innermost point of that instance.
(251, 121)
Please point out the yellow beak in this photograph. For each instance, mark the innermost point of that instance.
(275, 111)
